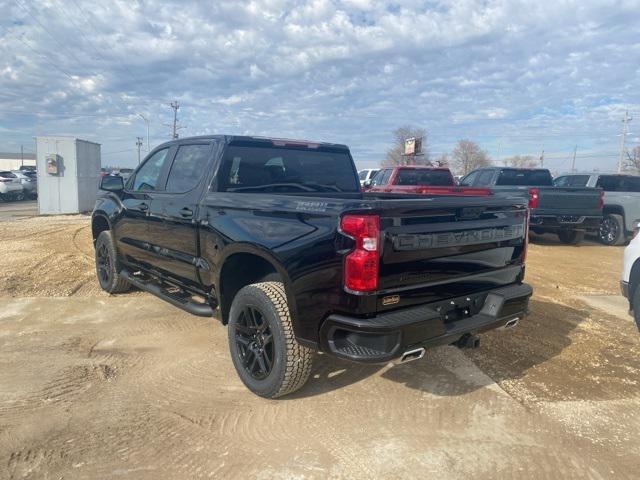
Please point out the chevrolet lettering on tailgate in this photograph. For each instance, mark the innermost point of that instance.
(454, 239)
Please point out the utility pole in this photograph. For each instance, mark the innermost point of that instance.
(542, 159)
(21, 154)
(138, 144)
(625, 125)
(175, 107)
(573, 162)
(146, 120)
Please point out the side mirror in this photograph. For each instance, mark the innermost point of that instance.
(111, 183)
(367, 184)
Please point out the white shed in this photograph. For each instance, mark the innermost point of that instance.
(68, 174)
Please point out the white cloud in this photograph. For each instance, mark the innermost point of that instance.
(337, 70)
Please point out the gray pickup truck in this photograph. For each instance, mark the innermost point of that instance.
(568, 212)
(621, 202)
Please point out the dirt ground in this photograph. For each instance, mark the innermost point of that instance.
(98, 386)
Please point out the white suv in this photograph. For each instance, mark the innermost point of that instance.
(10, 186)
(630, 280)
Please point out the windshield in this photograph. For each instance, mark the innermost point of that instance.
(533, 178)
(420, 176)
(287, 170)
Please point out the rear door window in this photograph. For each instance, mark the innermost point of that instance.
(188, 167)
(469, 179)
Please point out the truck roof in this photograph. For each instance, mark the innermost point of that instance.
(421, 167)
(261, 140)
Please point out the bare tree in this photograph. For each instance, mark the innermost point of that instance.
(467, 155)
(395, 153)
(443, 160)
(521, 161)
(633, 160)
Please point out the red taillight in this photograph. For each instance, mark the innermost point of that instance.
(361, 265)
(601, 200)
(534, 195)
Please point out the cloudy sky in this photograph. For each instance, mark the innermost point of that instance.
(517, 77)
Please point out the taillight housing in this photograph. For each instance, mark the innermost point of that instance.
(601, 200)
(534, 195)
(525, 246)
(361, 264)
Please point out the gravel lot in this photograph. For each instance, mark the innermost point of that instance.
(98, 386)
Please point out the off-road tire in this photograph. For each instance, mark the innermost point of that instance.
(291, 364)
(635, 304)
(109, 279)
(571, 237)
(612, 230)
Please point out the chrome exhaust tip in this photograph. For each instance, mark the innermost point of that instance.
(511, 323)
(411, 355)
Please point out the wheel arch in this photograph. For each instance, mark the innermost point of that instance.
(246, 264)
(99, 223)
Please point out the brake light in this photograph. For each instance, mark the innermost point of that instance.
(361, 264)
(601, 200)
(534, 195)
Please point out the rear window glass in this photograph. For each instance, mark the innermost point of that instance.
(7, 175)
(287, 170)
(619, 183)
(536, 178)
(418, 176)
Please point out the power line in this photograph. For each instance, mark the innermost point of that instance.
(53, 64)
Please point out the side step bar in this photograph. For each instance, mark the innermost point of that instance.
(186, 304)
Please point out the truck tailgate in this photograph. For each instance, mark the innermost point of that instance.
(460, 246)
(569, 200)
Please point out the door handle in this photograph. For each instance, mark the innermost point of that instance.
(143, 207)
(186, 212)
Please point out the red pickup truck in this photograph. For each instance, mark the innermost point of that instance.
(419, 179)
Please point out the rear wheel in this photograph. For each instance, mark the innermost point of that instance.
(571, 237)
(264, 351)
(107, 265)
(612, 230)
(635, 303)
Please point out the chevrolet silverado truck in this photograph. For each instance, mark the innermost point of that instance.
(568, 212)
(419, 179)
(621, 202)
(279, 237)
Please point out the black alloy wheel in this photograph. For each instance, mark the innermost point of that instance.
(254, 341)
(612, 230)
(103, 264)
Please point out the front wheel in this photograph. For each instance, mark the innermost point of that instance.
(571, 237)
(268, 359)
(107, 265)
(612, 230)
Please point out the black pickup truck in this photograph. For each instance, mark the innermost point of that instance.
(567, 211)
(278, 235)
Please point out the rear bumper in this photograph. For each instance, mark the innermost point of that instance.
(386, 336)
(569, 222)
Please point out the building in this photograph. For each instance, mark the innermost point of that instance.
(12, 161)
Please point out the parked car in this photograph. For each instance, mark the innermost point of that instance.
(10, 186)
(621, 202)
(366, 174)
(630, 281)
(29, 182)
(419, 179)
(280, 237)
(568, 212)
(125, 173)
